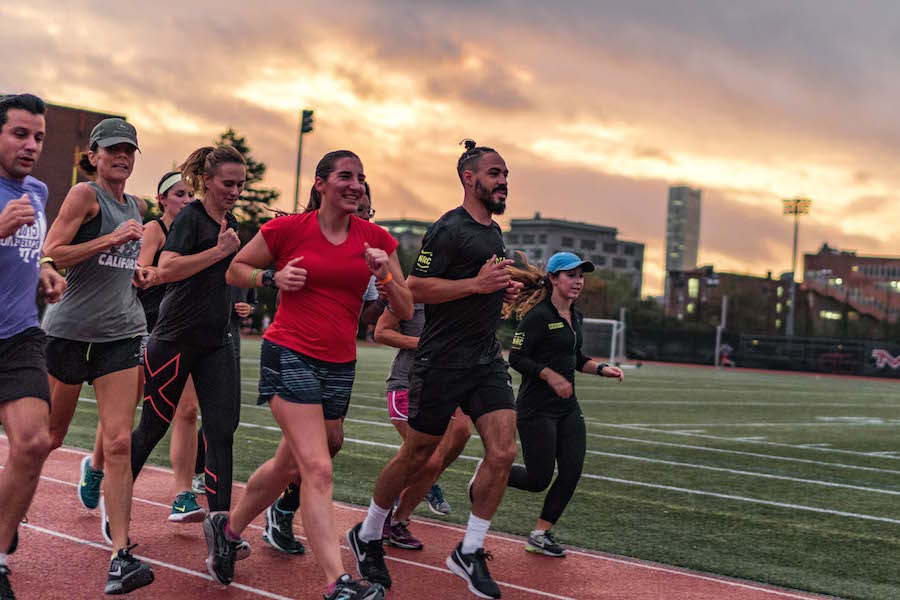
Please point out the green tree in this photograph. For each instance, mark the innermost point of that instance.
(250, 210)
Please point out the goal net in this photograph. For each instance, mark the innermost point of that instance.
(604, 339)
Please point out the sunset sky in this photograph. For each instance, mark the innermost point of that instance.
(596, 106)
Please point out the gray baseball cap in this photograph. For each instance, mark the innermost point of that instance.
(110, 132)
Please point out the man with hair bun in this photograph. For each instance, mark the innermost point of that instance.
(461, 276)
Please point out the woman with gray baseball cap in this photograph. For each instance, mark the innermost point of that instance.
(94, 332)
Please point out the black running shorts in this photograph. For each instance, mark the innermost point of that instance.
(23, 370)
(434, 394)
(72, 362)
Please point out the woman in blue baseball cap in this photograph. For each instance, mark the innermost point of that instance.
(546, 350)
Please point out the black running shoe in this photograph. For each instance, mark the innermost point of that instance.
(469, 488)
(126, 573)
(220, 551)
(473, 568)
(355, 589)
(279, 532)
(14, 543)
(369, 558)
(6, 592)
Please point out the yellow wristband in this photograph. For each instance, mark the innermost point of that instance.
(385, 280)
(46, 260)
(253, 277)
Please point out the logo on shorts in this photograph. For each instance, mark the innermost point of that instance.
(518, 340)
(552, 326)
(424, 260)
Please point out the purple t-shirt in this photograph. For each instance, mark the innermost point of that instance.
(19, 256)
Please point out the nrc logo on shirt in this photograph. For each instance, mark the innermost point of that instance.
(552, 326)
(424, 260)
(518, 340)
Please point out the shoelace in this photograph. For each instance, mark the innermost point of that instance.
(125, 554)
(549, 537)
(438, 494)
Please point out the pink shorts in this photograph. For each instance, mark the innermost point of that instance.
(398, 405)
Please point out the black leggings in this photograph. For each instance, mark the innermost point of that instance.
(166, 369)
(547, 440)
(200, 462)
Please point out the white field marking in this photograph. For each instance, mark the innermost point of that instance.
(824, 445)
(153, 561)
(503, 538)
(754, 454)
(254, 590)
(754, 438)
(690, 430)
(802, 507)
(888, 454)
(611, 455)
(728, 439)
(747, 473)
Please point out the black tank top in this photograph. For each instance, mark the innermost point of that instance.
(151, 297)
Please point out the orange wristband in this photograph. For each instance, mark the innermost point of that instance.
(387, 279)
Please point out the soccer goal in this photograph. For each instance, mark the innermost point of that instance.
(604, 338)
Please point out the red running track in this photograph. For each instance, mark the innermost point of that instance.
(62, 555)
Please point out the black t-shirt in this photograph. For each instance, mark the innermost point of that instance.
(544, 339)
(462, 332)
(196, 309)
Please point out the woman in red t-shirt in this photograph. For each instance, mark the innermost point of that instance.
(324, 260)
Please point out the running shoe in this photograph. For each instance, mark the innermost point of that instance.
(369, 558)
(474, 570)
(89, 488)
(472, 481)
(436, 502)
(279, 531)
(402, 538)
(220, 551)
(6, 592)
(186, 510)
(198, 484)
(104, 524)
(126, 573)
(355, 589)
(542, 542)
(243, 550)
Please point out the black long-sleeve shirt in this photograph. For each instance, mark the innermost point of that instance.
(544, 339)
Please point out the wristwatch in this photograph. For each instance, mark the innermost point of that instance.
(599, 372)
(268, 278)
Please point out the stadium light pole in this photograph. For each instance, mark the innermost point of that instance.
(794, 207)
(306, 126)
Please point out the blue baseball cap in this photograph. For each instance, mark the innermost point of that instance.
(564, 261)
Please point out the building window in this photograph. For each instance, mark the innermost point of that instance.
(829, 315)
(780, 291)
(599, 260)
(693, 287)
(610, 247)
(513, 238)
(637, 265)
(528, 238)
(568, 242)
(537, 253)
(620, 263)
(777, 323)
(778, 307)
(542, 238)
(629, 250)
(588, 245)
(691, 307)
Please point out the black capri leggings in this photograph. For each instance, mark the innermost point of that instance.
(548, 440)
(166, 369)
(234, 327)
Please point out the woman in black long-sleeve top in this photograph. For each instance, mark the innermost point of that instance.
(546, 350)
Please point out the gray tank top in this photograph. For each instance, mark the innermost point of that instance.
(100, 304)
(398, 378)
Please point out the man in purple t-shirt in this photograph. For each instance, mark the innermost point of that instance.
(24, 388)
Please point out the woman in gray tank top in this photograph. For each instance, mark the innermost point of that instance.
(94, 332)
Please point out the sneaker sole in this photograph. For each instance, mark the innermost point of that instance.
(84, 462)
(209, 534)
(436, 511)
(136, 580)
(267, 539)
(104, 520)
(396, 544)
(537, 550)
(461, 572)
(195, 516)
(472, 481)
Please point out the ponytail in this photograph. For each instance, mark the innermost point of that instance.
(206, 161)
(536, 287)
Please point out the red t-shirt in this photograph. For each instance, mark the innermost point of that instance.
(320, 320)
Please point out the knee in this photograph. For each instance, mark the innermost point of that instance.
(186, 414)
(117, 445)
(335, 442)
(317, 474)
(502, 455)
(31, 450)
(56, 438)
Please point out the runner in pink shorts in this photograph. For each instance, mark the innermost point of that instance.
(405, 335)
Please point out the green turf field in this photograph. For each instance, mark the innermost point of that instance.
(786, 479)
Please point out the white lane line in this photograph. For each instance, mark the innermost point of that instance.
(503, 538)
(742, 453)
(153, 561)
(728, 439)
(747, 473)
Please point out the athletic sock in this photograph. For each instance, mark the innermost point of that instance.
(330, 589)
(374, 523)
(538, 532)
(229, 534)
(2, 560)
(475, 532)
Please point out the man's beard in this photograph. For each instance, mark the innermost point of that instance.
(495, 207)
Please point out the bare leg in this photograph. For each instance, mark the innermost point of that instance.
(64, 400)
(97, 461)
(183, 447)
(27, 425)
(417, 448)
(115, 401)
(264, 487)
(498, 433)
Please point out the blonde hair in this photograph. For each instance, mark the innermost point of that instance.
(206, 161)
(536, 287)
